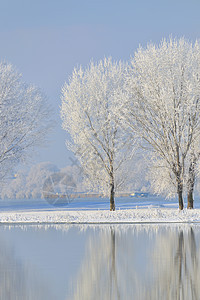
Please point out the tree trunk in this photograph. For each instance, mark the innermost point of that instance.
(180, 200)
(178, 172)
(190, 199)
(179, 183)
(190, 184)
(180, 196)
(112, 198)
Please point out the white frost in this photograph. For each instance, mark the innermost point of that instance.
(151, 215)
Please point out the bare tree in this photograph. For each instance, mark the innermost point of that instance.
(164, 109)
(90, 114)
(24, 118)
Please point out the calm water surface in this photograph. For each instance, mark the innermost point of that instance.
(100, 262)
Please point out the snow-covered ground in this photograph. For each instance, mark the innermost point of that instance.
(151, 215)
(96, 211)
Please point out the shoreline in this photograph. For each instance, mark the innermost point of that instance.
(122, 216)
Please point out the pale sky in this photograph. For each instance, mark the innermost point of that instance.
(46, 39)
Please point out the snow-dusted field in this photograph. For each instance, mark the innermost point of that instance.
(151, 215)
(96, 211)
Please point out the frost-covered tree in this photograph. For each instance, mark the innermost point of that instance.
(164, 109)
(90, 114)
(36, 178)
(41, 180)
(24, 116)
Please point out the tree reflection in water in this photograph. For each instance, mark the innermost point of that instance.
(98, 277)
(141, 262)
(176, 267)
(18, 281)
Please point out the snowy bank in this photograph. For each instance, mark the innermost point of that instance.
(151, 215)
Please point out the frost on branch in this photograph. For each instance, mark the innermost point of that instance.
(24, 118)
(164, 88)
(91, 103)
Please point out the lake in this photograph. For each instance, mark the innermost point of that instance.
(89, 203)
(100, 262)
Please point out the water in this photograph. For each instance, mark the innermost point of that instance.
(99, 262)
(88, 203)
(99, 203)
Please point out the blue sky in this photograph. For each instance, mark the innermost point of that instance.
(46, 39)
